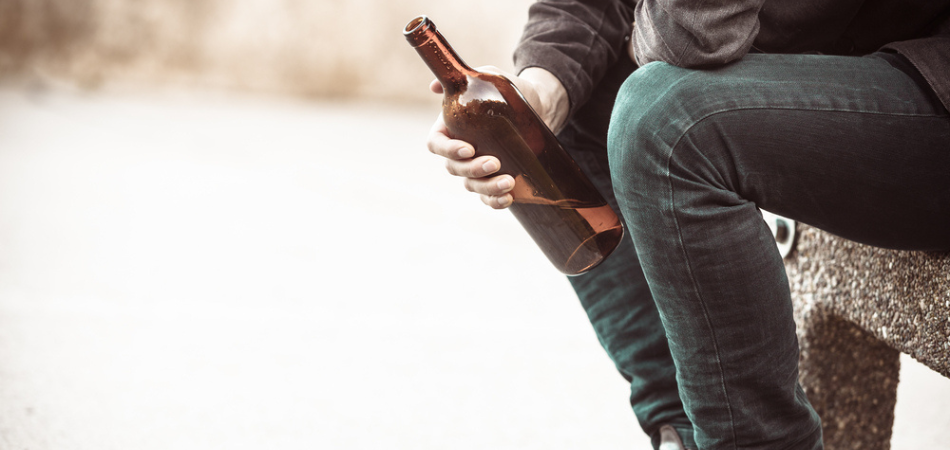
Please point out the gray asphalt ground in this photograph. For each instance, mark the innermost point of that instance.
(185, 270)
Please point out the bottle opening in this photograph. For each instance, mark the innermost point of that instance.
(415, 24)
(415, 30)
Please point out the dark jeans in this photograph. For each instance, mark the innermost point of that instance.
(615, 294)
(859, 147)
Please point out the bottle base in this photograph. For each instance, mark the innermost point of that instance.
(592, 251)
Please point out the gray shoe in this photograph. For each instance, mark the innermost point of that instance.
(670, 439)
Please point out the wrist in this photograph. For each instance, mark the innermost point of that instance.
(553, 102)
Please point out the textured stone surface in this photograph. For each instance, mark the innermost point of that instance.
(858, 307)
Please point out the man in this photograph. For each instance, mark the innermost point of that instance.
(833, 113)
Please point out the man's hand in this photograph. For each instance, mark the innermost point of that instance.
(544, 93)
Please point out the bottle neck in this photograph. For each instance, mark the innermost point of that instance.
(442, 60)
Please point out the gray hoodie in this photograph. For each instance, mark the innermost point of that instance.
(578, 40)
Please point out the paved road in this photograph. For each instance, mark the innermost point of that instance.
(198, 271)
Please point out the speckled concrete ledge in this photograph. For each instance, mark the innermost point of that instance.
(858, 308)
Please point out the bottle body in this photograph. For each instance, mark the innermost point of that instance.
(553, 200)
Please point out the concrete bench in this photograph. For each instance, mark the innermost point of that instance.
(857, 308)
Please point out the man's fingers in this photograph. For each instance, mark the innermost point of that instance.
(492, 186)
(460, 161)
(482, 166)
(441, 144)
(499, 202)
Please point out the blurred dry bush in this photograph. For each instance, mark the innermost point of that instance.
(317, 48)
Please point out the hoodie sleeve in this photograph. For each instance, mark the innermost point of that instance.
(577, 41)
(691, 33)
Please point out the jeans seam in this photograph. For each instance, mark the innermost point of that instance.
(815, 430)
(702, 302)
(679, 232)
(798, 108)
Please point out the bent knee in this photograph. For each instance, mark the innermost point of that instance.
(650, 103)
(660, 100)
(655, 108)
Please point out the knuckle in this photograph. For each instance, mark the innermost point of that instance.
(478, 168)
(450, 167)
(432, 143)
(504, 184)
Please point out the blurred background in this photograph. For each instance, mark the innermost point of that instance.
(219, 228)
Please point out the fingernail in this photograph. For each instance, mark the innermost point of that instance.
(466, 152)
(490, 166)
(504, 184)
(504, 201)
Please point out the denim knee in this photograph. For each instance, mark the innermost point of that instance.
(655, 107)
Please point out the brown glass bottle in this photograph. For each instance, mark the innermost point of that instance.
(554, 201)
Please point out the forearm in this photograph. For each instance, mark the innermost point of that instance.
(553, 103)
(576, 41)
